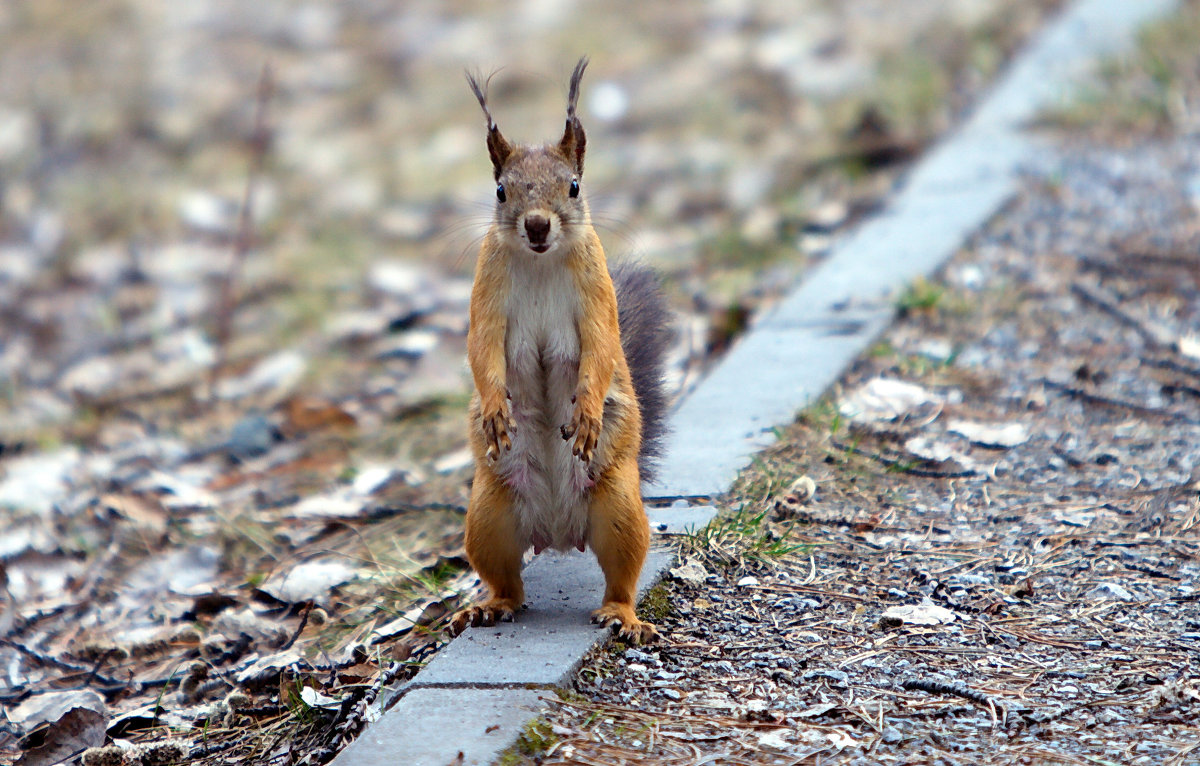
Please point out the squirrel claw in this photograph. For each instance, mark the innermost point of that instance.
(627, 626)
(487, 614)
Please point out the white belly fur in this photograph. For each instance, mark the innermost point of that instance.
(542, 350)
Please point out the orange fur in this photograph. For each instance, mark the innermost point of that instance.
(555, 426)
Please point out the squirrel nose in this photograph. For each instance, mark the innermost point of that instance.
(537, 227)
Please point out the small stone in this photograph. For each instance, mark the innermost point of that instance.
(633, 654)
(672, 694)
(690, 573)
(252, 437)
(397, 278)
(1109, 591)
(413, 345)
(828, 216)
(207, 212)
(803, 489)
(748, 581)
(839, 677)
(892, 735)
(278, 373)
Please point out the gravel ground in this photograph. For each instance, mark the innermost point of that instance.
(984, 544)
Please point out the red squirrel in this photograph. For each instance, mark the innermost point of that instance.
(567, 358)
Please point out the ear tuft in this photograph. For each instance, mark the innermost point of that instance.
(498, 147)
(574, 140)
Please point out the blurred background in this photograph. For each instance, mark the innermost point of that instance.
(727, 139)
(214, 422)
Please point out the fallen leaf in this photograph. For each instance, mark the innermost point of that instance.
(817, 710)
(775, 739)
(145, 513)
(51, 706)
(883, 399)
(67, 737)
(314, 698)
(267, 669)
(998, 435)
(309, 581)
(941, 452)
(925, 613)
(310, 413)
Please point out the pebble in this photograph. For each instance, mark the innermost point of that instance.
(411, 345)
(690, 573)
(1110, 591)
(839, 677)
(207, 212)
(251, 437)
(397, 278)
(278, 374)
(637, 655)
(18, 133)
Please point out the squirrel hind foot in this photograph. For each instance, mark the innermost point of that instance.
(486, 614)
(621, 619)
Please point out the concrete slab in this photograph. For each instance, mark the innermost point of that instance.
(546, 643)
(431, 727)
(680, 519)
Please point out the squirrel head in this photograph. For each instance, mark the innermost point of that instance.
(539, 206)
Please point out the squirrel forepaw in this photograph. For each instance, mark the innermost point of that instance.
(496, 429)
(586, 431)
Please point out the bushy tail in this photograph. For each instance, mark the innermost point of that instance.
(645, 336)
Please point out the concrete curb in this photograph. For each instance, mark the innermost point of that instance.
(475, 698)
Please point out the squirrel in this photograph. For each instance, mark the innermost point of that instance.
(569, 406)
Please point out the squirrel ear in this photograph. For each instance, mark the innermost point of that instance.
(574, 140)
(497, 144)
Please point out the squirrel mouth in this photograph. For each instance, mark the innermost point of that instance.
(540, 247)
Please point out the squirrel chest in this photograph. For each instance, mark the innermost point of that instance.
(542, 371)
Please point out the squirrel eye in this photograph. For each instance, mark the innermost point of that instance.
(574, 187)
(500, 192)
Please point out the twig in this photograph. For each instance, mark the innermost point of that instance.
(1172, 365)
(903, 466)
(956, 688)
(304, 613)
(1155, 336)
(1104, 401)
(244, 236)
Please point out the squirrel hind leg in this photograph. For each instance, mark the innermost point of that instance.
(620, 537)
(494, 547)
